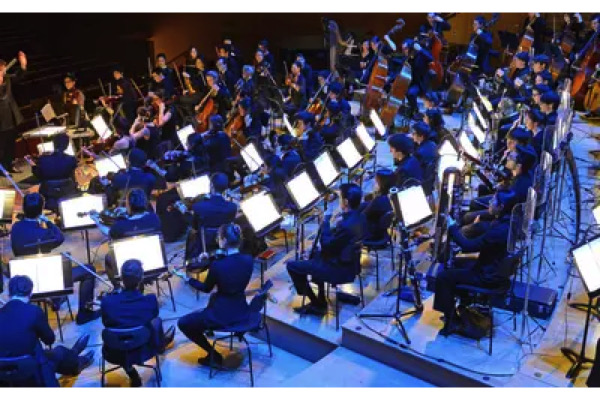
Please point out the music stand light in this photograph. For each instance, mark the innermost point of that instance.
(101, 128)
(184, 133)
(110, 164)
(262, 212)
(193, 187)
(148, 249)
(7, 205)
(51, 274)
(326, 169)
(377, 122)
(303, 192)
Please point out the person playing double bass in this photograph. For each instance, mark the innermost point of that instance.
(483, 39)
(419, 60)
(435, 24)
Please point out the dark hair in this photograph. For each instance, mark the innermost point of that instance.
(71, 76)
(352, 193)
(137, 200)
(232, 233)
(297, 64)
(33, 204)
(401, 142)
(384, 178)
(132, 274)
(421, 129)
(541, 88)
(536, 116)
(157, 71)
(137, 158)
(508, 199)
(163, 55)
(436, 120)
(545, 75)
(20, 285)
(220, 182)
(264, 43)
(480, 19)
(216, 122)
(60, 142)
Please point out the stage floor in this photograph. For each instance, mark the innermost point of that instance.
(309, 351)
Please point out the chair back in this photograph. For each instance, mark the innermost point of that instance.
(126, 340)
(20, 371)
(509, 264)
(542, 178)
(386, 221)
(258, 301)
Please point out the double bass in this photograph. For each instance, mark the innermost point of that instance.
(396, 95)
(379, 73)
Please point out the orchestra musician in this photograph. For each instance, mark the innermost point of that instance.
(408, 170)
(250, 113)
(296, 90)
(338, 257)
(220, 94)
(485, 271)
(419, 60)
(537, 24)
(34, 234)
(549, 103)
(379, 205)
(436, 24)
(25, 327)
(218, 145)
(541, 138)
(167, 73)
(330, 127)
(226, 76)
(434, 119)
(290, 157)
(209, 213)
(144, 133)
(161, 85)
(307, 73)
(73, 100)
(130, 308)
(127, 93)
(230, 275)
(267, 56)
(224, 54)
(55, 171)
(139, 220)
(515, 83)
(426, 153)
(483, 39)
(10, 115)
(134, 177)
(164, 120)
(310, 139)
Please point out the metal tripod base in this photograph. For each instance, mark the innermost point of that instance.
(584, 307)
(577, 360)
(398, 317)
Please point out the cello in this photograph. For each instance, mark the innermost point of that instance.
(584, 67)
(591, 103)
(206, 108)
(378, 78)
(396, 95)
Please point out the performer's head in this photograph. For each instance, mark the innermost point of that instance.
(247, 71)
(215, 123)
(517, 136)
(434, 118)
(478, 23)
(137, 158)
(60, 142)
(296, 68)
(401, 146)
(350, 196)
(502, 203)
(161, 60)
(263, 46)
(137, 202)
(193, 53)
(549, 102)
(335, 89)
(211, 78)
(132, 274)
(420, 132)
(199, 63)
(540, 63)
(384, 179)
(521, 59)
(117, 72)
(20, 286)
(537, 91)
(219, 182)
(544, 77)
(230, 236)
(534, 119)
(526, 160)
(70, 81)
(224, 50)
(304, 121)
(33, 205)
(259, 56)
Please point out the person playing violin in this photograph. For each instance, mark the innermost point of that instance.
(73, 100)
(127, 94)
(226, 75)
(297, 90)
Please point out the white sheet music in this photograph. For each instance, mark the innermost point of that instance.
(413, 205)
(70, 209)
(46, 272)
(377, 122)
(184, 133)
(349, 153)
(48, 112)
(194, 187)
(48, 147)
(475, 129)
(467, 145)
(7, 201)
(104, 165)
(303, 190)
(101, 128)
(260, 211)
(147, 249)
(326, 168)
(587, 258)
(251, 157)
(364, 137)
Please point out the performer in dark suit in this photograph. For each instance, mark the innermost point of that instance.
(161, 85)
(53, 171)
(485, 271)
(419, 60)
(24, 329)
(127, 92)
(435, 24)
(311, 139)
(515, 83)
(337, 259)
(379, 205)
(134, 177)
(408, 169)
(426, 153)
(36, 228)
(537, 24)
(483, 40)
(130, 308)
(10, 115)
(230, 275)
(290, 158)
(218, 145)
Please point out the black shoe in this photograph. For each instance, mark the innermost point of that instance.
(314, 309)
(217, 360)
(134, 378)
(85, 316)
(85, 360)
(450, 328)
(81, 344)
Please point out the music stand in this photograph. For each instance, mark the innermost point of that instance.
(411, 210)
(7, 205)
(51, 274)
(587, 262)
(109, 164)
(193, 187)
(184, 133)
(473, 127)
(467, 145)
(75, 215)
(326, 169)
(48, 147)
(378, 123)
(596, 213)
(251, 157)
(261, 212)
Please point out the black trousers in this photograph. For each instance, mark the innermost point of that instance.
(87, 282)
(194, 326)
(7, 147)
(445, 287)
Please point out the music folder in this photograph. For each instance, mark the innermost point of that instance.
(106, 165)
(184, 133)
(193, 187)
(51, 274)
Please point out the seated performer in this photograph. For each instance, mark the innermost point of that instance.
(162, 85)
(549, 103)
(434, 118)
(330, 128)
(379, 205)
(53, 171)
(24, 329)
(337, 260)
(218, 145)
(311, 140)
(515, 83)
(138, 221)
(419, 60)
(36, 234)
(133, 177)
(131, 308)
(426, 153)
(296, 83)
(230, 275)
(210, 212)
(485, 271)
(408, 169)
(290, 158)
(541, 139)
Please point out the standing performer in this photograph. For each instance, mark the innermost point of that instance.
(10, 116)
(73, 100)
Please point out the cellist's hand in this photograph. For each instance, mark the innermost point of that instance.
(22, 59)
